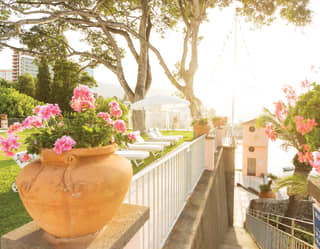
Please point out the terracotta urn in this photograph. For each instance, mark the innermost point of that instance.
(199, 129)
(269, 195)
(75, 193)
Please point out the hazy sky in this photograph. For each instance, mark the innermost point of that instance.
(266, 59)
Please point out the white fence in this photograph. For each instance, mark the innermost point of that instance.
(164, 187)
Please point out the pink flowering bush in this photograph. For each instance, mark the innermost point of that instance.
(84, 128)
(296, 122)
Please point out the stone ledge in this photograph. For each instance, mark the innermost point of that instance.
(125, 224)
(314, 188)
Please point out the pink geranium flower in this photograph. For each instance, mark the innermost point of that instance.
(270, 131)
(305, 84)
(116, 112)
(31, 122)
(120, 126)
(290, 95)
(47, 111)
(105, 116)
(132, 137)
(82, 99)
(25, 158)
(63, 144)
(114, 104)
(14, 128)
(9, 144)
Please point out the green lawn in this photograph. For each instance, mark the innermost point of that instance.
(12, 212)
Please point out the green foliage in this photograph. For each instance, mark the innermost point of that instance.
(219, 121)
(27, 85)
(7, 83)
(272, 176)
(265, 188)
(296, 184)
(102, 105)
(43, 82)
(201, 121)
(308, 106)
(86, 79)
(66, 79)
(16, 104)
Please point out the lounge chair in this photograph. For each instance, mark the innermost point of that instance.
(155, 149)
(154, 137)
(140, 140)
(159, 134)
(137, 157)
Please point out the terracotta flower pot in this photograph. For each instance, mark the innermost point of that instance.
(3, 116)
(77, 192)
(269, 194)
(201, 129)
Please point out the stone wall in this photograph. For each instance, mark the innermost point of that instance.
(205, 218)
(279, 207)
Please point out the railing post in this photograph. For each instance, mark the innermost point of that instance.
(292, 232)
(189, 168)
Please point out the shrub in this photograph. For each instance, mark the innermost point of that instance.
(16, 104)
(201, 121)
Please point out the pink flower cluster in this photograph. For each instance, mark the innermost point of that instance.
(315, 162)
(290, 95)
(82, 99)
(25, 158)
(115, 109)
(9, 144)
(120, 126)
(47, 111)
(32, 121)
(14, 128)
(304, 126)
(305, 84)
(63, 144)
(306, 155)
(271, 133)
(281, 110)
(132, 137)
(106, 117)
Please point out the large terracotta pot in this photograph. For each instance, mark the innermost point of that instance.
(269, 194)
(3, 116)
(200, 129)
(77, 192)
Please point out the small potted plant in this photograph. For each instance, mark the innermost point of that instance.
(78, 184)
(201, 126)
(266, 191)
(218, 121)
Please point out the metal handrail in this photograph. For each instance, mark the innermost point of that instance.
(266, 218)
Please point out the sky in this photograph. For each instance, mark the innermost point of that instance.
(254, 73)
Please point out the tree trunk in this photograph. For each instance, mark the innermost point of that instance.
(138, 121)
(299, 169)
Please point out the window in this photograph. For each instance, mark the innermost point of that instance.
(251, 149)
(252, 129)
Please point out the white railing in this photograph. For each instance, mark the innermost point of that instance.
(164, 186)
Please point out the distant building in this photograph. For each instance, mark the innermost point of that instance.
(23, 63)
(6, 74)
(255, 150)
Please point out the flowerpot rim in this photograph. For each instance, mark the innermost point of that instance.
(66, 157)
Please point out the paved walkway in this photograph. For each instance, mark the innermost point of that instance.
(238, 237)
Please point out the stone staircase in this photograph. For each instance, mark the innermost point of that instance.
(237, 238)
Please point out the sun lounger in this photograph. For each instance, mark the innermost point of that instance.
(155, 149)
(159, 134)
(137, 157)
(140, 140)
(154, 137)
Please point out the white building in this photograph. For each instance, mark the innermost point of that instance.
(6, 74)
(23, 63)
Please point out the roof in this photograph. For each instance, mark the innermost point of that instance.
(252, 121)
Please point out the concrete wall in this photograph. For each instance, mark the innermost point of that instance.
(205, 218)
